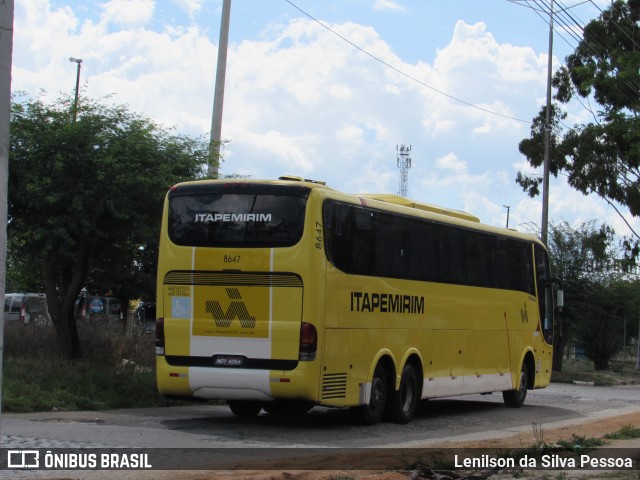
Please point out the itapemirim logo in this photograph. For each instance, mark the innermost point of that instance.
(236, 309)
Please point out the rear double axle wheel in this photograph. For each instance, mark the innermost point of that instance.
(397, 405)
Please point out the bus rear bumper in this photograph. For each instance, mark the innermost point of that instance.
(230, 384)
(235, 383)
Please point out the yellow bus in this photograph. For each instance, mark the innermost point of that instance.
(285, 294)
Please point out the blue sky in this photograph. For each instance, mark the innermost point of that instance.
(301, 100)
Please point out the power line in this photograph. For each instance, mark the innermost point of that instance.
(545, 18)
(635, 44)
(573, 26)
(570, 26)
(397, 70)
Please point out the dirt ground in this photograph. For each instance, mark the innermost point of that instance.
(310, 467)
(593, 429)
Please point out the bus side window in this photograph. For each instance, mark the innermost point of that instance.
(360, 242)
(421, 258)
(333, 232)
(388, 241)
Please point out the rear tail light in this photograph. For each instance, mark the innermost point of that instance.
(159, 336)
(23, 311)
(308, 342)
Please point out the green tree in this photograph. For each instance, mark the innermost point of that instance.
(601, 331)
(601, 157)
(580, 258)
(85, 198)
(22, 274)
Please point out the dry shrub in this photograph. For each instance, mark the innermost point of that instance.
(101, 343)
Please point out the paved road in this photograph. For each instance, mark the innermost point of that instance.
(213, 426)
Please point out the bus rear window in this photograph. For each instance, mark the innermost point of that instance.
(236, 219)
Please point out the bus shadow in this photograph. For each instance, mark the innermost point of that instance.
(317, 418)
(480, 415)
(330, 425)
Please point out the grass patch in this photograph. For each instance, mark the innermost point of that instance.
(116, 371)
(31, 386)
(578, 441)
(627, 432)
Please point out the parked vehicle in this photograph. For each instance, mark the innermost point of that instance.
(28, 308)
(12, 304)
(93, 308)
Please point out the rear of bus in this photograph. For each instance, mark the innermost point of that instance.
(234, 264)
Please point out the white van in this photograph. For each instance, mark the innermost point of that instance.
(27, 308)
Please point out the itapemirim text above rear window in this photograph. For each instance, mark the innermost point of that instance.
(256, 219)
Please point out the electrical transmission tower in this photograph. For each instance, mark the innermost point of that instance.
(404, 164)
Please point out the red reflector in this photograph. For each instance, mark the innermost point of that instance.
(174, 374)
(285, 380)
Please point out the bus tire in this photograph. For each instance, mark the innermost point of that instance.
(405, 399)
(372, 413)
(245, 408)
(516, 398)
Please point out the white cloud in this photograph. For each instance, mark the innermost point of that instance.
(449, 173)
(192, 7)
(389, 5)
(128, 13)
(340, 91)
(40, 33)
(452, 164)
(351, 135)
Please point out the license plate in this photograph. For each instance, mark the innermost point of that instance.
(228, 360)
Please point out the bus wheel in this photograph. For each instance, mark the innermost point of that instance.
(515, 398)
(404, 401)
(372, 413)
(244, 408)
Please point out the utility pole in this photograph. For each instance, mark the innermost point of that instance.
(218, 96)
(547, 138)
(404, 164)
(624, 338)
(78, 61)
(557, 338)
(638, 344)
(6, 52)
(508, 207)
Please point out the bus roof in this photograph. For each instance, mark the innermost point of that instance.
(398, 200)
